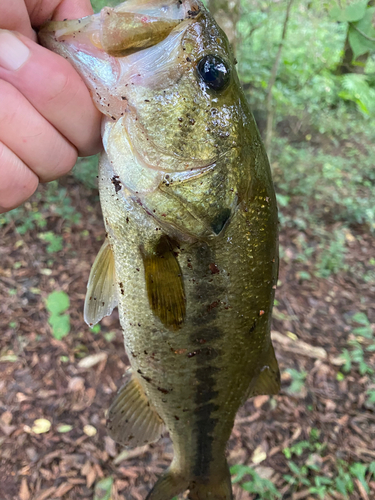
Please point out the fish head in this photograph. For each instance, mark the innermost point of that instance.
(163, 74)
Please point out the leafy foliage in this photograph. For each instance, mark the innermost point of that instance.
(257, 485)
(57, 303)
(103, 489)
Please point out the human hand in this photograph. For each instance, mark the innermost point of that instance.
(47, 117)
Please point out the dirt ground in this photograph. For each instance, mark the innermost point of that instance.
(42, 378)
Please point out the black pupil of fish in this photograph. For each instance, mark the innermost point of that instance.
(214, 72)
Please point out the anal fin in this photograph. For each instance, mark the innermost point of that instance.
(131, 420)
(268, 380)
(164, 283)
(101, 297)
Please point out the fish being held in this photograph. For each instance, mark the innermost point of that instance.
(190, 255)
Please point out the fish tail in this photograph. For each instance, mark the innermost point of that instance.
(168, 486)
(216, 488)
(174, 482)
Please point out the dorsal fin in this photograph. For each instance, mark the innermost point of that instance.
(164, 283)
(101, 297)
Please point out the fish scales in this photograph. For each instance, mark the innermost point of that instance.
(190, 256)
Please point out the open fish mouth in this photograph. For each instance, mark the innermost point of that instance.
(131, 26)
(130, 48)
(165, 134)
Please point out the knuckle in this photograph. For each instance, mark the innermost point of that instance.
(61, 88)
(65, 160)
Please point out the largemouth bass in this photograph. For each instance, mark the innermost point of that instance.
(190, 255)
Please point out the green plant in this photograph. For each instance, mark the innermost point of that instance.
(297, 449)
(86, 170)
(332, 256)
(95, 329)
(355, 355)
(55, 242)
(362, 344)
(57, 303)
(298, 380)
(342, 481)
(366, 329)
(357, 88)
(103, 489)
(256, 485)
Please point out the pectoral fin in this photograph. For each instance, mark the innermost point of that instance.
(131, 419)
(165, 285)
(101, 296)
(268, 380)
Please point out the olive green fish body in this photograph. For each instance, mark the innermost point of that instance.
(191, 250)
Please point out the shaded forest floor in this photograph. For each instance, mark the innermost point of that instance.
(322, 422)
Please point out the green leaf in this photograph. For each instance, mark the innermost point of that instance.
(363, 331)
(62, 428)
(9, 358)
(240, 471)
(57, 302)
(359, 44)
(360, 318)
(351, 13)
(60, 325)
(304, 275)
(294, 468)
(340, 377)
(341, 486)
(371, 396)
(55, 242)
(95, 329)
(359, 470)
(282, 199)
(103, 489)
(355, 11)
(345, 356)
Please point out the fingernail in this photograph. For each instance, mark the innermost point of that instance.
(13, 53)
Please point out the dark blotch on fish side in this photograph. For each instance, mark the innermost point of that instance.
(205, 423)
(115, 181)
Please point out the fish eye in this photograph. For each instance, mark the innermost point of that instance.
(214, 72)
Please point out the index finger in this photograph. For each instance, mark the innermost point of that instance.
(15, 17)
(24, 15)
(41, 11)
